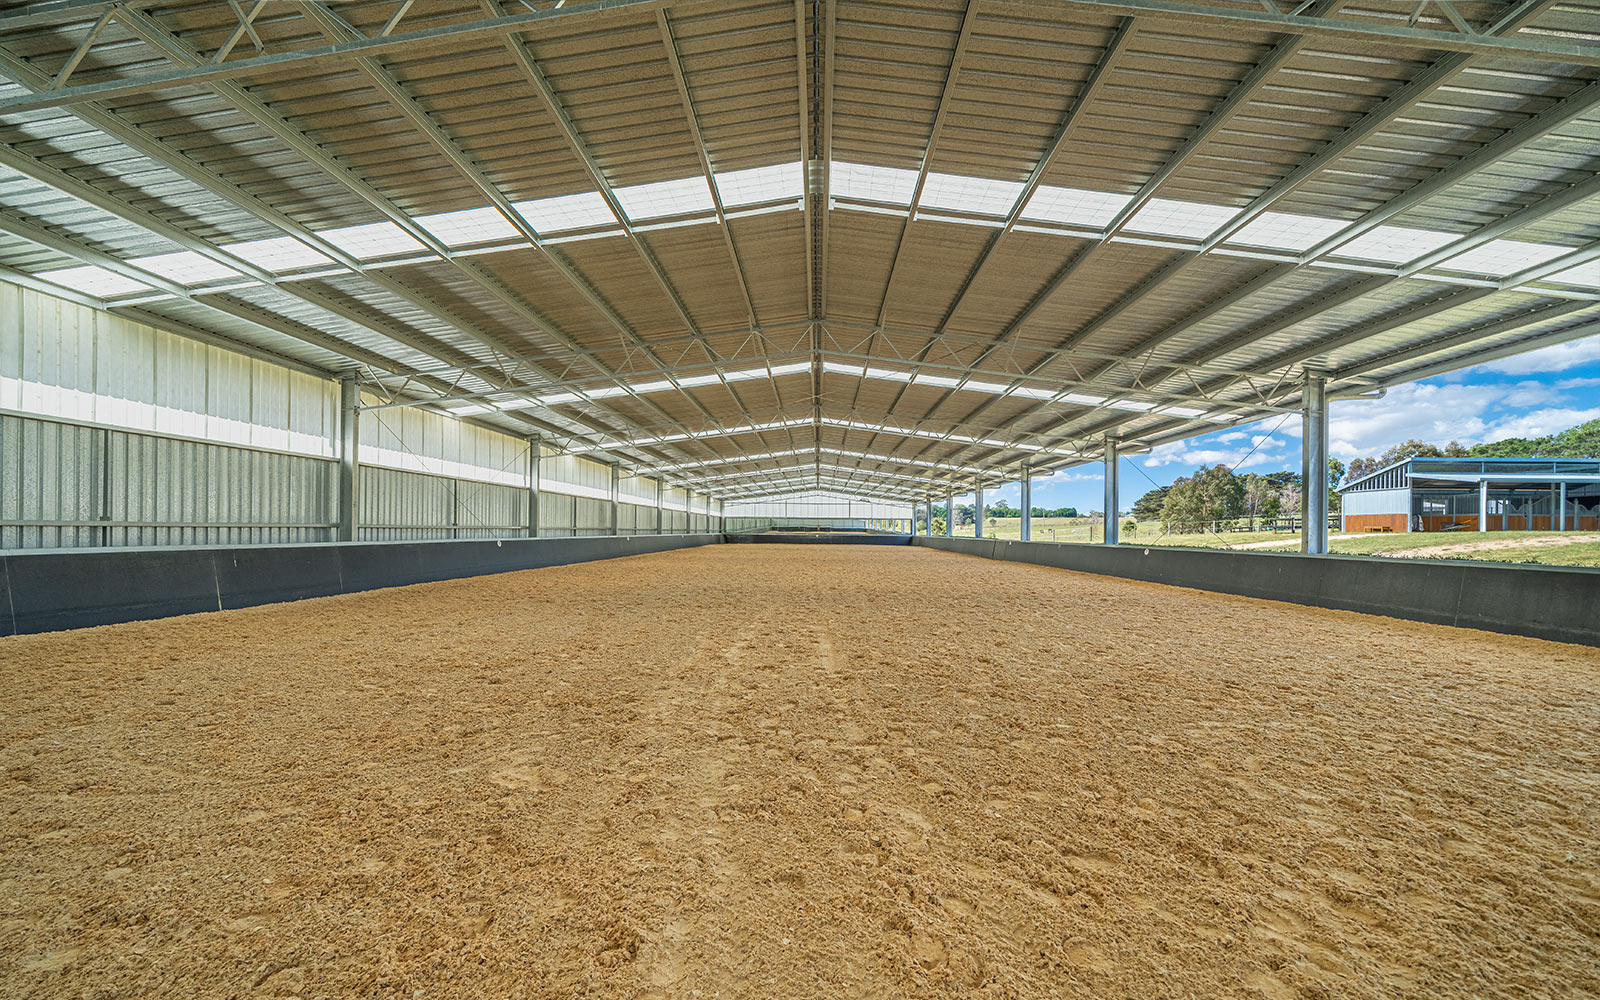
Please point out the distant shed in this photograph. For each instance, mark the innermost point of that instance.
(1483, 494)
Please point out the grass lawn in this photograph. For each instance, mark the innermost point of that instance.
(1547, 548)
(1542, 547)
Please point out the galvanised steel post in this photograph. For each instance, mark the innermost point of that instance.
(534, 449)
(977, 512)
(661, 495)
(1561, 506)
(950, 514)
(616, 487)
(349, 456)
(1314, 466)
(1483, 505)
(1027, 502)
(1113, 462)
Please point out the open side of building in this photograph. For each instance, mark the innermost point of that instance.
(1477, 494)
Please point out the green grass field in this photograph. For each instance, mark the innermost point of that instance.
(1541, 547)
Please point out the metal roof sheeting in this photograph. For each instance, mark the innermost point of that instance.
(968, 234)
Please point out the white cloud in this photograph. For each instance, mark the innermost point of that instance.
(1248, 450)
(1470, 414)
(1437, 413)
(1074, 476)
(1541, 422)
(1558, 358)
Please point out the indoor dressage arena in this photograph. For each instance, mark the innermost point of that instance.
(493, 500)
(757, 771)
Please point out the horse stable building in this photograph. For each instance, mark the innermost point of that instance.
(1482, 494)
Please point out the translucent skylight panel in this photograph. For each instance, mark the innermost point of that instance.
(684, 196)
(282, 253)
(759, 184)
(465, 228)
(1074, 207)
(185, 267)
(1286, 231)
(92, 280)
(865, 182)
(790, 369)
(978, 195)
(976, 386)
(1188, 219)
(567, 212)
(1395, 244)
(887, 374)
(1499, 258)
(380, 239)
(1584, 274)
(1031, 393)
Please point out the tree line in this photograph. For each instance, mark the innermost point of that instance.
(966, 511)
(1582, 441)
(1216, 493)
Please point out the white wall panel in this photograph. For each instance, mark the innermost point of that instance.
(120, 434)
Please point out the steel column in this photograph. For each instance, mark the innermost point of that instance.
(661, 508)
(1561, 507)
(977, 512)
(949, 515)
(616, 484)
(1314, 466)
(349, 456)
(1027, 502)
(1112, 459)
(534, 448)
(1483, 505)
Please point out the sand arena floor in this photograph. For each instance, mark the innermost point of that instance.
(797, 771)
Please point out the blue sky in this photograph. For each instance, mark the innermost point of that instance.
(1524, 396)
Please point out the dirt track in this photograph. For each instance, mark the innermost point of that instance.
(797, 771)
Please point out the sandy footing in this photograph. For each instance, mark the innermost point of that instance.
(797, 771)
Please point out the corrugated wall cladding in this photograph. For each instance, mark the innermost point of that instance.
(411, 506)
(421, 441)
(813, 505)
(119, 434)
(1379, 502)
(69, 485)
(65, 485)
(61, 359)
